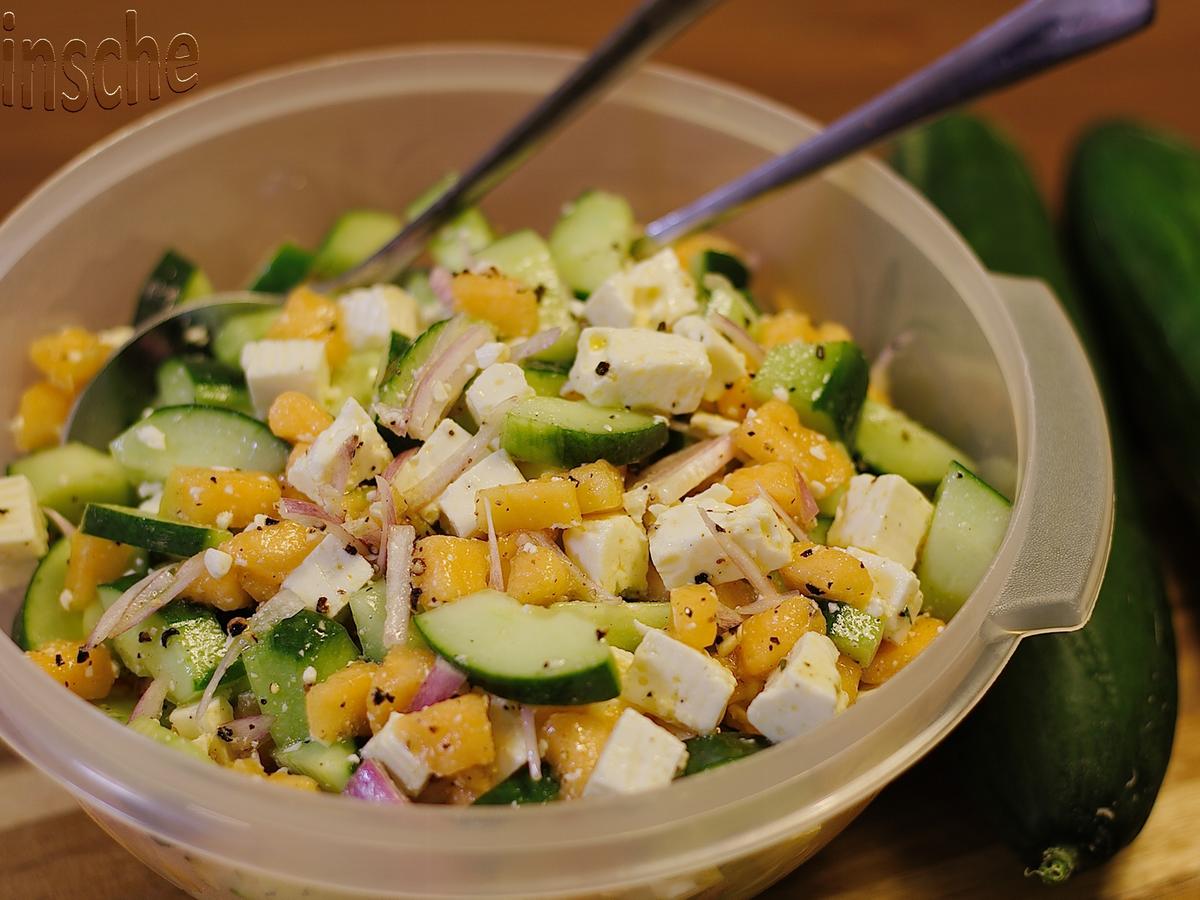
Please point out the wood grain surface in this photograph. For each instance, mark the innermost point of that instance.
(916, 840)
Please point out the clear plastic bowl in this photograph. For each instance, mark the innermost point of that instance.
(994, 366)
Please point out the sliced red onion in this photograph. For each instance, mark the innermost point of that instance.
(387, 518)
(65, 528)
(442, 379)
(739, 337)
(420, 494)
(372, 783)
(673, 476)
(529, 733)
(441, 282)
(398, 585)
(393, 418)
(247, 733)
(727, 616)
(742, 561)
(282, 606)
(792, 525)
(304, 512)
(595, 591)
(442, 683)
(150, 704)
(136, 605)
(107, 622)
(342, 463)
(543, 340)
(398, 462)
(495, 570)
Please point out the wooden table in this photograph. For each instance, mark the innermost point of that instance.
(915, 841)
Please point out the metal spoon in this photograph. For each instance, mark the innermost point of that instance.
(1034, 37)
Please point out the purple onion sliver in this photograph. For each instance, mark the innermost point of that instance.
(372, 784)
(442, 682)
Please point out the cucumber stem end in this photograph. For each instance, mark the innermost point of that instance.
(1058, 864)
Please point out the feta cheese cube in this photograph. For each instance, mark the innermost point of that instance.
(23, 536)
(458, 500)
(613, 550)
(491, 353)
(494, 388)
(656, 290)
(885, 515)
(896, 597)
(802, 693)
(448, 437)
(184, 721)
(728, 364)
(328, 576)
(640, 369)
(389, 750)
(638, 756)
(311, 473)
(682, 547)
(371, 314)
(677, 683)
(273, 367)
(709, 425)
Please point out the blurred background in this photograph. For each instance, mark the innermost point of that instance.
(821, 58)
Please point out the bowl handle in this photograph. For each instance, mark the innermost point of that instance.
(1064, 528)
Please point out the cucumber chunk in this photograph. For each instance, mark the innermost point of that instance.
(239, 331)
(969, 521)
(118, 705)
(519, 788)
(853, 632)
(825, 383)
(286, 268)
(69, 477)
(127, 525)
(276, 662)
(152, 729)
(546, 379)
(721, 297)
(187, 380)
(728, 266)
(197, 436)
(182, 644)
(41, 617)
(175, 279)
(401, 372)
(353, 237)
(888, 441)
(592, 239)
(355, 377)
(330, 765)
(570, 432)
(617, 621)
(524, 653)
(711, 750)
(368, 611)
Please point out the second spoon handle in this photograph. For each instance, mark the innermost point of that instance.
(645, 30)
(1036, 36)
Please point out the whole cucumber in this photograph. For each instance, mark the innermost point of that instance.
(1069, 747)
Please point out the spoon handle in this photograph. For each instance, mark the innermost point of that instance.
(1034, 37)
(646, 29)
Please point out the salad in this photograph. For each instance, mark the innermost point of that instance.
(548, 519)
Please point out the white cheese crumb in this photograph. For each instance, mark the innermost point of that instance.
(217, 562)
(152, 437)
(309, 676)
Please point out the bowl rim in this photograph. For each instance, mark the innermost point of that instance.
(137, 782)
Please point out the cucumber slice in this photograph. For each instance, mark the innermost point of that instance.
(127, 525)
(401, 372)
(969, 521)
(617, 621)
(183, 381)
(174, 280)
(728, 266)
(330, 765)
(570, 433)
(888, 441)
(118, 705)
(156, 732)
(41, 618)
(852, 631)
(711, 750)
(197, 436)
(523, 653)
(69, 477)
(367, 608)
(826, 383)
(354, 236)
(723, 298)
(286, 268)
(397, 346)
(239, 331)
(276, 663)
(182, 644)
(546, 379)
(355, 377)
(592, 240)
(520, 788)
